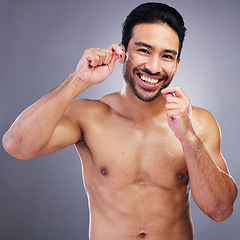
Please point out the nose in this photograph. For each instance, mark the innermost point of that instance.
(154, 65)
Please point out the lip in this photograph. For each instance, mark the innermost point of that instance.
(144, 84)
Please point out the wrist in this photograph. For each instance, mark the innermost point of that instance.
(189, 138)
(76, 85)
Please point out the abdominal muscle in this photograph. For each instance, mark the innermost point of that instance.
(138, 211)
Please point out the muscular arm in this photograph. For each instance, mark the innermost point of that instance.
(46, 125)
(50, 124)
(213, 189)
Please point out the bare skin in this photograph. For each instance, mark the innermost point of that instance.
(139, 157)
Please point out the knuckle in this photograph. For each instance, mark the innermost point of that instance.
(96, 58)
(109, 51)
(168, 114)
(188, 104)
(185, 108)
(188, 101)
(182, 111)
(100, 54)
(87, 51)
(115, 46)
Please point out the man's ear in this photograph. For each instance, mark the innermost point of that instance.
(122, 57)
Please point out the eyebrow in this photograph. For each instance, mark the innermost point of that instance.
(170, 51)
(142, 44)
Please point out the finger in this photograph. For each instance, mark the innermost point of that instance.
(117, 52)
(91, 57)
(178, 102)
(172, 114)
(177, 91)
(183, 109)
(181, 106)
(170, 106)
(176, 112)
(171, 98)
(95, 56)
(108, 56)
(116, 49)
(104, 56)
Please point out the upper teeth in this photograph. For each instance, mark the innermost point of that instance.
(149, 80)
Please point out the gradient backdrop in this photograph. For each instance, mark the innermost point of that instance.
(41, 42)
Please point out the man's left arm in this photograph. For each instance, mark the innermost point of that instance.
(213, 189)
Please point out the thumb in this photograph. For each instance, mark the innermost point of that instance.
(115, 57)
(117, 52)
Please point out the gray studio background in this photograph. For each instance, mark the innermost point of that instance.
(40, 45)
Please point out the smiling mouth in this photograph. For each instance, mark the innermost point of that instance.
(149, 80)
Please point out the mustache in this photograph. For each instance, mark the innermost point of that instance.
(145, 70)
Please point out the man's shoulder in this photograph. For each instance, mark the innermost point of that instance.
(201, 114)
(91, 106)
(203, 121)
(111, 98)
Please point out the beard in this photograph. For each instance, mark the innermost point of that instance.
(146, 95)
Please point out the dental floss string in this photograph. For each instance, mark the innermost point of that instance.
(166, 145)
(80, 71)
(133, 62)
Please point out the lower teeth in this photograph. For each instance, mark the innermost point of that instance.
(151, 83)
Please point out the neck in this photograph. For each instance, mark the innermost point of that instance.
(140, 110)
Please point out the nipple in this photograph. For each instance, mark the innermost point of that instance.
(179, 176)
(104, 171)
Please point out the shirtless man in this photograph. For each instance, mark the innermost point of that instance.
(140, 147)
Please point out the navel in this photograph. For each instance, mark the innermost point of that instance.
(104, 171)
(142, 235)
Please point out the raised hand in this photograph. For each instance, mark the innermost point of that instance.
(97, 64)
(178, 109)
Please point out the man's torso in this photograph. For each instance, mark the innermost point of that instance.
(135, 176)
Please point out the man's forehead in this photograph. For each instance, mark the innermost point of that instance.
(154, 35)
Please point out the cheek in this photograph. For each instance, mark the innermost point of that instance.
(126, 71)
(171, 71)
(137, 60)
(128, 68)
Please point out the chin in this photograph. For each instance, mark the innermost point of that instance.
(146, 98)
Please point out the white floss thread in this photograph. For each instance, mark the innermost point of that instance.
(80, 71)
(166, 147)
(133, 62)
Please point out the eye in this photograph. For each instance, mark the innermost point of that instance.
(167, 56)
(143, 50)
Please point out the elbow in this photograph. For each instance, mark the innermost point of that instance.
(8, 144)
(12, 146)
(222, 213)
(223, 210)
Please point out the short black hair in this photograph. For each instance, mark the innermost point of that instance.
(154, 12)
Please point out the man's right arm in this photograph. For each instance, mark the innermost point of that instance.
(36, 131)
(50, 124)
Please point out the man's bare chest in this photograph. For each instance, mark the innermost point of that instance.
(122, 149)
